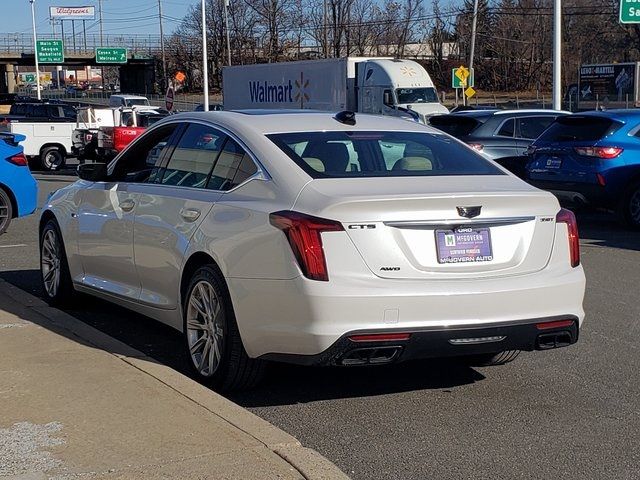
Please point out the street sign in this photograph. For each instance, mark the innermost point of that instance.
(50, 51)
(180, 77)
(469, 92)
(168, 99)
(629, 11)
(111, 55)
(462, 78)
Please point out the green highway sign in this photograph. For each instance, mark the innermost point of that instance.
(50, 51)
(462, 78)
(629, 11)
(111, 55)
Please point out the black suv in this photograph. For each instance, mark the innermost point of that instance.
(500, 135)
(41, 112)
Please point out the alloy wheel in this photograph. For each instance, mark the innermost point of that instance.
(50, 263)
(205, 333)
(5, 215)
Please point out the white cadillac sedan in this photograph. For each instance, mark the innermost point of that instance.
(319, 239)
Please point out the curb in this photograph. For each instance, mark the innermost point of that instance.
(310, 464)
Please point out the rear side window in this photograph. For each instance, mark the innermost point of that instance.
(455, 125)
(380, 154)
(532, 127)
(579, 128)
(507, 129)
(233, 167)
(193, 157)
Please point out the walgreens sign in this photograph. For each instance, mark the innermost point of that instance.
(73, 13)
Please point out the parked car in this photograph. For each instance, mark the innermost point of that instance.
(317, 238)
(128, 101)
(592, 159)
(18, 188)
(40, 112)
(500, 135)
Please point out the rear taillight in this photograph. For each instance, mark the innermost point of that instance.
(599, 152)
(478, 147)
(19, 160)
(567, 216)
(303, 232)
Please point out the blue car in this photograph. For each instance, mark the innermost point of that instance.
(591, 158)
(18, 188)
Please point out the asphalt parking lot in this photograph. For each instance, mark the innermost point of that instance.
(568, 413)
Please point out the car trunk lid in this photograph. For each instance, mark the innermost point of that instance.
(414, 228)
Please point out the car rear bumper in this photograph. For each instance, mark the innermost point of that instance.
(577, 194)
(362, 347)
(300, 317)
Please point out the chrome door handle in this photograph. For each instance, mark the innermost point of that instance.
(127, 205)
(190, 214)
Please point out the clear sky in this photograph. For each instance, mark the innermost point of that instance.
(119, 16)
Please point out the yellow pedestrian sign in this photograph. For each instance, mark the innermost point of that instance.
(469, 92)
(461, 77)
(462, 73)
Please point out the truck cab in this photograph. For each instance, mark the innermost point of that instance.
(397, 88)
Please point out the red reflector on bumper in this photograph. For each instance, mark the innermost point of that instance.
(380, 337)
(556, 324)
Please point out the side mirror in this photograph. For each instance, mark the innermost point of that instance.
(387, 99)
(93, 172)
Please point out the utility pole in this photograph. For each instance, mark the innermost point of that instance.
(226, 23)
(35, 47)
(164, 59)
(324, 28)
(557, 54)
(101, 39)
(472, 50)
(205, 66)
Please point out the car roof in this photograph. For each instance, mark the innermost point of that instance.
(283, 121)
(512, 112)
(622, 114)
(119, 95)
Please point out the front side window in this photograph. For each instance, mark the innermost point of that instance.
(194, 157)
(532, 127)
(140, 162)
(380, 154)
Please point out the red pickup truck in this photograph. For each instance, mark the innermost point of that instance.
(112, 140)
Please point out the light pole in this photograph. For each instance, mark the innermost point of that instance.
(205, 67)
(557, 54)
(472, 50)
(35, 47)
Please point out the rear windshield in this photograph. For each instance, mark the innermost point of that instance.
(380, 154)
(579, 128)
(455, 125)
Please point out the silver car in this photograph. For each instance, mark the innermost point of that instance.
(317, 239)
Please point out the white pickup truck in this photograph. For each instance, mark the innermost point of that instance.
(47, 142)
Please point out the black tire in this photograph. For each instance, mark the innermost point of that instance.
(234, 370)
(64, 292)
(52, 159)
(630, 207)
(6, 211)
(492, 359)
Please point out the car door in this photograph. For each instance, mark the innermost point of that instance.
(170, 209)
(106, 214)
(502, 144)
